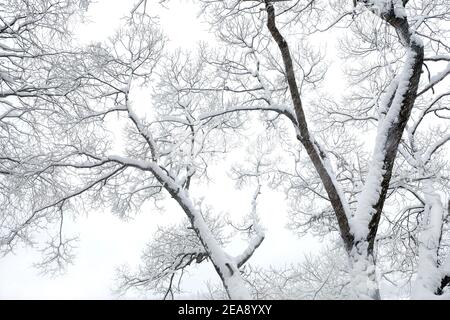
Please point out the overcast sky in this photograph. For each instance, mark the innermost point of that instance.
(107, 242)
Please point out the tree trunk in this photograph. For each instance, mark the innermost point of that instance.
(429, 277)
(364, 283)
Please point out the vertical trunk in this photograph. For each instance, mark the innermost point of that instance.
(225, 265)
(398, 105)
(428, 274)
(364, 283)
(359, 233)
(396, 108)
(315, 153)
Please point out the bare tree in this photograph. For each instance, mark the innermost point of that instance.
(117, 124)
(79, 163)
(32, 44)
(35, 41)
(356, 188)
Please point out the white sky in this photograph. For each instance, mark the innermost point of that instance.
(106, 241)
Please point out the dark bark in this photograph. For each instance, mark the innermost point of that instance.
(394, 133)
(311, 146)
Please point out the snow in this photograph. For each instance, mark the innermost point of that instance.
(363, 282)
(271, 107)
(428, 274)
(438, 57)
(445, 267)
(381, 7)
(143, 130)
(256, 240)
(399, 9)
(344, 201)
(236, 287)
(385, 99)
(440, 76)
(225, 264)
(372, 187)
(9, 113)
(253, 72)
(5, 77)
